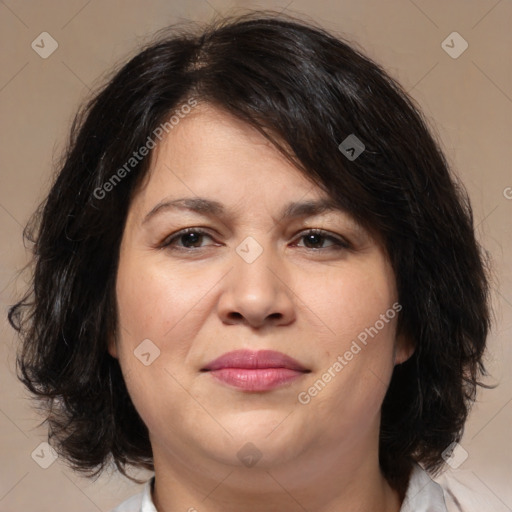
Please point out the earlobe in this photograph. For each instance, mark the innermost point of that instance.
(404, 349)
(112, 346)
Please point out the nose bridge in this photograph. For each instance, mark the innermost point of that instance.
(253, 263)
(256, 288)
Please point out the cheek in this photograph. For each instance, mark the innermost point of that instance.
(153, 300)
(361, 311)
(359, 304)
(154, 309)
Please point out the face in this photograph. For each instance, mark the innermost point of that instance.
(247, 277)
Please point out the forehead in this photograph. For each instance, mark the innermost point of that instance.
(211, 137)
(214, 166)
(212, 154)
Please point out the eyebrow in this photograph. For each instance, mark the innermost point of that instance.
(214, 208)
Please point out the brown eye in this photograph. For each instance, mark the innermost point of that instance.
(188, 237)
(315, 237)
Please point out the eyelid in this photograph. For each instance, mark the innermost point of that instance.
(339, 241)
(174, 236)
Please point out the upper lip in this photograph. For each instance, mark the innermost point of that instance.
(253, 360)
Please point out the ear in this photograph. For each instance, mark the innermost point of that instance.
(404, 348)
(112, 345)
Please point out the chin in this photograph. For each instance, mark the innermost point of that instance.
(263, 445)
(264, 425)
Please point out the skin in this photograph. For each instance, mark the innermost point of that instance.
(197, 303)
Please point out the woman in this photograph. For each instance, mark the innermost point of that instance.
(256, 276)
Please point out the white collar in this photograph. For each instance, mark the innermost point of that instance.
(423, 495)
(147, 504)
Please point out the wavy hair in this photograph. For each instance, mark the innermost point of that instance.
(306, 90)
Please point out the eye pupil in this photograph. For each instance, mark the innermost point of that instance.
(192, 238)
(310, 239)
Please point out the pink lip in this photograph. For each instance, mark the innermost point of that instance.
(255, 371)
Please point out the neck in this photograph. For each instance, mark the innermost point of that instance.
(326, 482)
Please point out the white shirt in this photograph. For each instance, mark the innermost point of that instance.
(423, 495)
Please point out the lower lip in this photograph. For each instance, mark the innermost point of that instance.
(260, 379)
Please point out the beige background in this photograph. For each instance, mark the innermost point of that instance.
(468, 101)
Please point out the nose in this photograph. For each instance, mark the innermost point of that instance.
(257, 293)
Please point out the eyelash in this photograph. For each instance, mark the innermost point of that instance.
(339, 244)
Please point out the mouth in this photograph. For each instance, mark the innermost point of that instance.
(255, 371)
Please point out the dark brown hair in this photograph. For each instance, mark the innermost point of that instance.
(306, 91)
